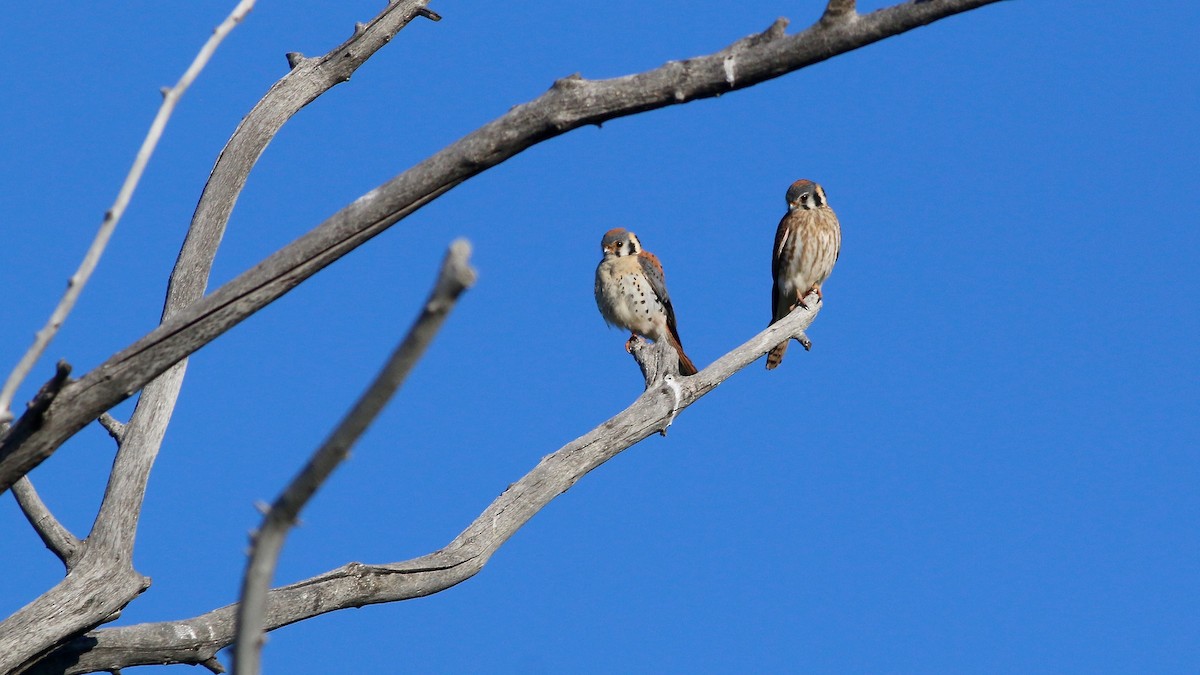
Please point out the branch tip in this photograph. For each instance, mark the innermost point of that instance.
(454, 277)
(114, 428)
(457, 266)
(213, 665)
(429, 14)
(777, 29)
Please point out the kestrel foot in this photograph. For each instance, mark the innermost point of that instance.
(629, 343)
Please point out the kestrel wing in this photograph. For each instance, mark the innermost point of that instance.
(658, 282)
(785, 237)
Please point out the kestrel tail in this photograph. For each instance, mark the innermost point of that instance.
(631, 293)
(807, 244)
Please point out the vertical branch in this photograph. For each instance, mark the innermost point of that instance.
(455, 277)
(90, 259)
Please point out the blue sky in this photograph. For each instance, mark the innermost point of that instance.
(988, 462)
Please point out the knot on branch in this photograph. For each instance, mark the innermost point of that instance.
(294, 59)
(773, 32)
(569, 82)
(838, 11)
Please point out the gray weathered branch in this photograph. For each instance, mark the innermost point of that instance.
(195, 640)
(113, 426)
(455, 277)
(91, 258)
(571, 103)
(143, 435)
(108, 582)
(57, 538)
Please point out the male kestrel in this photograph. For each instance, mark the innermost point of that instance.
(632, 293)
(806, 247)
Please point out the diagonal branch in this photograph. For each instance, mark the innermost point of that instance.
(456, 276)
(114, 427)
(105, 580)
(57, 538)
(90, 259)
(309, 78)
(571, 103)
(193, 641)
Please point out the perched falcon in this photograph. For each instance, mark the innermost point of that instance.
(631, 293)
(806, 247)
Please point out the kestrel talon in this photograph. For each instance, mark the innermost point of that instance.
(806, 247)
(631, 293)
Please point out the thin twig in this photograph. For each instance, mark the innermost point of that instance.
(77, 281)
(57, 538)
(455, 277)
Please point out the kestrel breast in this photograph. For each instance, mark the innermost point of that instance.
(626, 298)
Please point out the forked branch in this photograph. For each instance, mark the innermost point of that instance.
(196, 640)
(92, 258)
(569, 104)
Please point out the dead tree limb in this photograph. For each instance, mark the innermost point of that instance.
(571, 103)
(455, 277)
(196, 640)
(91, 258)
(57, 538)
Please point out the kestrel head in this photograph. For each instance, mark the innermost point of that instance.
(619, 242)
(805, 194)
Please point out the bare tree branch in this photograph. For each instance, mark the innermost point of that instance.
(57, 538)
(100, 576)
(106, 582)
(77, 281)
(455, 277)
(571, 103)
(354, 585)
(114, 428)
(121, 507)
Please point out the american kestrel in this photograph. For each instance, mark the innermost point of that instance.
(806, 247)
(632, 293)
